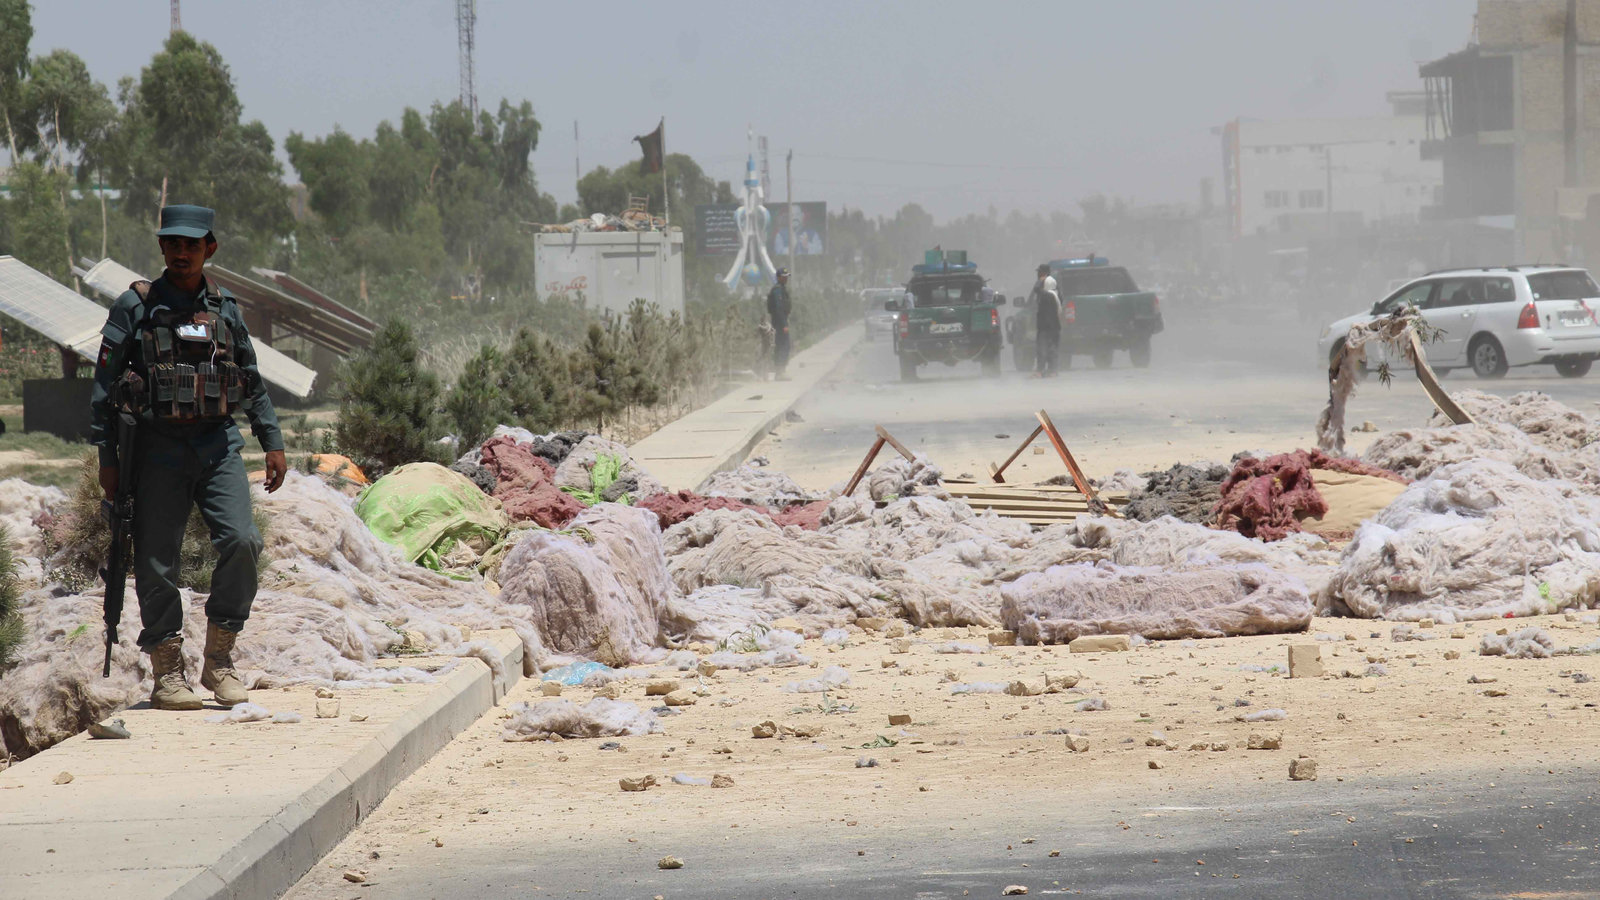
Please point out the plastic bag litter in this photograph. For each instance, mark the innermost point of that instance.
(242, 712)
(978, 687)
(960, 647)
(785, 658)
(599, 717)
(835, 637)
(426, 510)
(1263, 715)
(577, 673)
(1093, 704)
(693, 780)
(1528, 643)
(832, 677)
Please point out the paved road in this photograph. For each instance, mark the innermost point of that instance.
(1205, 397)
(1524, 834)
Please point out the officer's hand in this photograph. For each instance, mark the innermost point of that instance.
(108, 481)
(277, 467)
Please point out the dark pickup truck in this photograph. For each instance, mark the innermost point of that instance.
(1102, 311)
(947, 316)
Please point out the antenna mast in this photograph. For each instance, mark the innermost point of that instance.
(466, 27)
(177, 20)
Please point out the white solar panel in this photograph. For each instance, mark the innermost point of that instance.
(49, 307)
(35, 301)
(109, 277)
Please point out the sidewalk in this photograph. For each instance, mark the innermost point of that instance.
(189, 809)
(717, 437)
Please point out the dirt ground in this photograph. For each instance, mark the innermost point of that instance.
(1181, 409)
(1437, 706)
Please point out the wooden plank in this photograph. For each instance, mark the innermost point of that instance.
(1084, 487)
(998, 472)
(883, 434)
(861, 470)
(1035, 488)
(1434, 390)
(1024, 505)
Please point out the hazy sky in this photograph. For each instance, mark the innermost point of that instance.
(957, 106)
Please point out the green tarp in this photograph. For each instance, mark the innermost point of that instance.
(427, 510)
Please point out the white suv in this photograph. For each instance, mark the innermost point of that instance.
(1492, 319)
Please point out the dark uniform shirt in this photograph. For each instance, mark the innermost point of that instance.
(778, 305)
(119, 351)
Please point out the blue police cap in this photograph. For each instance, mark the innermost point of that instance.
(184, 220)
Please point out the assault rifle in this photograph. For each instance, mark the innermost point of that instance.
(118, 512)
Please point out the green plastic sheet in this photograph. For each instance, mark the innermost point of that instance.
(427, 510)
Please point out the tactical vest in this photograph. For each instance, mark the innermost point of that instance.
(189, 360)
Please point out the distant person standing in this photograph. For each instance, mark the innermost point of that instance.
(1046, 324)
(778, 307)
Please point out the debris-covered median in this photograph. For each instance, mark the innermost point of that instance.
(565, 539)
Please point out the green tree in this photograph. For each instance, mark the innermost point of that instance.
(388, 408)
(606, 190)
(64, 110)
(16, 33)
(337, 172)
(537, 386)
(38, 219)
(65, 107)
(477, 403)
(181, 128)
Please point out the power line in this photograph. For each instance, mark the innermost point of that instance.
(939, 165)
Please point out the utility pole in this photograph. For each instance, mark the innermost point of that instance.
(466, 28)
(577, 165)
(788, 177)
(766, 170)
(177, 20)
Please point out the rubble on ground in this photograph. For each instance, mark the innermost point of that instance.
(750, 565)
(1187, 492)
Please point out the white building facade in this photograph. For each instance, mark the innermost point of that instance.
(1325, 174)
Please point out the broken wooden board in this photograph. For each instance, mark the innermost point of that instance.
(1036, 504)
(1434, 390)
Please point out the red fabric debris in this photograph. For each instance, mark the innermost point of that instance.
(525, 484)
(807, 516)
(1267, 498)
(671, 509)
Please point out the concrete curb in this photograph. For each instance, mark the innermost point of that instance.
(284, 848)
(679, 454)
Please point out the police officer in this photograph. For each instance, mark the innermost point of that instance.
(192, 364)
(1046, 323)
(778, 310)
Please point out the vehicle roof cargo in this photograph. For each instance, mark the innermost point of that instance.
(945, 268)
(1080, 262)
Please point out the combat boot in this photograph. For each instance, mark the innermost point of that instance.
(171, 690)
(218, 676)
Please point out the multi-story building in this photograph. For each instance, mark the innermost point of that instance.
(1325, 176)
(1515, 119)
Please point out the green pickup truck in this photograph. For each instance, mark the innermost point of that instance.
(947, 315)
(1102, 311)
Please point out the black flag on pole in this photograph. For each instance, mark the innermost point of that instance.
(654, 147)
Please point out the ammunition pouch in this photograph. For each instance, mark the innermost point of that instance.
(192, 375)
